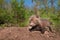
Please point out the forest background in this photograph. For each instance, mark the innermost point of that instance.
(17, 12)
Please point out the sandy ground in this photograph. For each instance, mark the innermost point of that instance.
(22, 33)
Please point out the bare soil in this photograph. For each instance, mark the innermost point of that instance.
(22, 33)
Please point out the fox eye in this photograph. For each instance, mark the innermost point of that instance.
(30, 25)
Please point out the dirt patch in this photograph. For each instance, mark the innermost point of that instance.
(22, 33)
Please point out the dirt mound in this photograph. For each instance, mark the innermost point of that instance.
(19, 33)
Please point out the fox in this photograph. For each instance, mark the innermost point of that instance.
(39, 24)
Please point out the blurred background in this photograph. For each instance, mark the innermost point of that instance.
(17, 12)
